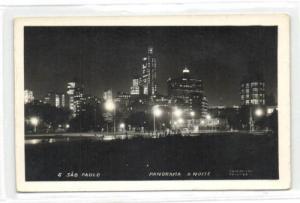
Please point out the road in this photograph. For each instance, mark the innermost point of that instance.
(61, 137)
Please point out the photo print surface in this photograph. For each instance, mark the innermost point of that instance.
(112, 103)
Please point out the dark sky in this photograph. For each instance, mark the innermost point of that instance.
(108, 57)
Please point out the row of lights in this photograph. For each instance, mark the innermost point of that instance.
(157, 112)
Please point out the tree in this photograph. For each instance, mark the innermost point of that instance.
(50, 117)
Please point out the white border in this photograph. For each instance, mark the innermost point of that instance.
(283, 104)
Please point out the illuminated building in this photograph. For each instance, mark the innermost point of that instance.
(28, 96)
(76, 97)
(252, 90)
(79, 99)
(188, 93)
(55, 99)
(71, 86)
(135, 88)
(148, 77)
(108, 95)
(123, 100)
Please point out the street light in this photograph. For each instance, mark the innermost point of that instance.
(192, 113)
(177, 112)
(202, 122)
(156, 113)
(270, 111)
(34, 121)
(259, 112)
(122, 125)
(180, 121)
(208, 117)
(111, 107)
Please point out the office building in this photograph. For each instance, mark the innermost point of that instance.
(55, 99)
(187, 93)
(148, 77)
(252, 90)
(108, 95)
(76, 97)
(135, 88)
(28, 96)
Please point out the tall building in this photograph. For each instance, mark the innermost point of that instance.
(63, 101)
(108, 95)
(252, 90)
(148, 77)
(76, 97)
(55, 99)
(188, 93)
(50, 98)
(79, 100)
(71, 87)
(135, 88)
(28, 96)
(123, 100)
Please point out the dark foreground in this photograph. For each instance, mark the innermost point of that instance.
(230, 156)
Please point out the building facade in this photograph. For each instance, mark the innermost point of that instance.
(252, 91)
(108, 95)
(71, 87)
(188, 93)
(28, 96)
(135, 88)
(75, 97)
(55, 99)
(148, 78)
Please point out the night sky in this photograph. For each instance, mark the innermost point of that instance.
(108, 57)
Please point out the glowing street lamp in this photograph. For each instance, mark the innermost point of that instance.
(122, 126)
(34, 121)
(202, 122)
(156, 113)
(270, 111)
(111, 107)
(180, 121)
(259, 112)
(192, 113)
(208, 117)
(177, 112)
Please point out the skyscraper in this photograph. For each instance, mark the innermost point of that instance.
(79, 100)
(188, 93)
(135, 88)
(28, 96)
(76, 97)
(148, 77)
(71, 86)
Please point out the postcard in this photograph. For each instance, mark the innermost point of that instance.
(152, 103)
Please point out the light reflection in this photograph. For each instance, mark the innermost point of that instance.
(33, 141)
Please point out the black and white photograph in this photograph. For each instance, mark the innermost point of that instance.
(133, 102)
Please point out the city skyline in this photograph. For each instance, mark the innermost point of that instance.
(99, 67)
